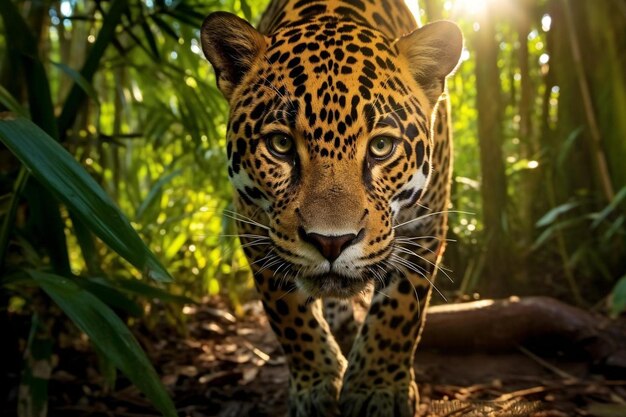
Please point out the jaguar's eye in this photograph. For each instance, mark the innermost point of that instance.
(381, 147)
(280, 144)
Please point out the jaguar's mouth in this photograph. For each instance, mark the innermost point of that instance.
(332, 285)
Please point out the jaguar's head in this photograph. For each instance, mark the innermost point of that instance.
(329, 137)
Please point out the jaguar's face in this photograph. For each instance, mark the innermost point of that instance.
(329, 138)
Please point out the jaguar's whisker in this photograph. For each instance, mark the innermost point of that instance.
(416, 268)
(432, 214)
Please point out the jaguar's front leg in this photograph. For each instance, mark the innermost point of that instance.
(316, 364)
(379, 380)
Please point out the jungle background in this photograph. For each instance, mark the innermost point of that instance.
(118, 248)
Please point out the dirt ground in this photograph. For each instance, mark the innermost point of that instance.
(231, 367)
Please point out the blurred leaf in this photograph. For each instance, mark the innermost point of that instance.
(23, 54)
(79, 80)
(165, 28)
(566, 147)
(155, 191)
(616, 227)
(87, 244)
(45, 217)
(109, 333)
(143, 289)
(60, 173)
(8, 101)
(245, 8)
(37, 368)
(553, 214)
(107, 369)
(555, 227)
(92, 63)
(617, 200)
(618, 298)
(147, 31)
(7, 223)
(109, 295)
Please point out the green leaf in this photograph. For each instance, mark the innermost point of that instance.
(165, 28)
(151, 40)
(245, 8)
(81, 81)
(552, 215)
(87, 245)
(105, 37)
(7, 223)
(107, 331)
(8, 101)
(155, 192)
(618, 298)
(110, 295)
(36, 371)
(23, 59)
(60, 173)
(551, 231)
(600, 217)
(143, 289)
(566, 147)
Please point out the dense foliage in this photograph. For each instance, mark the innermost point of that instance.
(539, 188)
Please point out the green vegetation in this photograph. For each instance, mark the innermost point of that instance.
(114, 136)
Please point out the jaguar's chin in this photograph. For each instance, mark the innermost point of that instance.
(332, 285)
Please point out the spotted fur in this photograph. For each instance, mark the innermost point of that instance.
(316, 94)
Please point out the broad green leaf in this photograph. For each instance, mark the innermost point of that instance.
(107, 331)
(60, 173)
(554, 213)
(618, 298)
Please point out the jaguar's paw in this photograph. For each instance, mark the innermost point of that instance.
(317, 400)
(388, 401)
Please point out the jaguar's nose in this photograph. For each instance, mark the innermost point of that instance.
(328, 245)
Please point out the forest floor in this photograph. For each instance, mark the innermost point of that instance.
(229, 367)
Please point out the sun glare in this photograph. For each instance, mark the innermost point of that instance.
(414, 7)
(470, 7)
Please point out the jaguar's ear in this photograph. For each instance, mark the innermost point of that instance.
(433, 52)
(231, 45)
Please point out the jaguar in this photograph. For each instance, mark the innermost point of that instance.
(339, 153)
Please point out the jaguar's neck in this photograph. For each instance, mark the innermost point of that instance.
(392, 17)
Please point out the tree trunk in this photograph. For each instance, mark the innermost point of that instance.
(493, 184)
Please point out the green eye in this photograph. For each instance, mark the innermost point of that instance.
(280, 144)
(381, 146)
